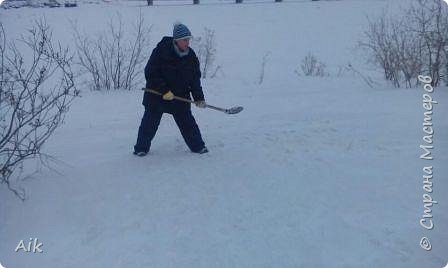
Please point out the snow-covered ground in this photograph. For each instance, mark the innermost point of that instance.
(315, 172)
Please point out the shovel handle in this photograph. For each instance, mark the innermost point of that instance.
(160, 94)
(227, 111)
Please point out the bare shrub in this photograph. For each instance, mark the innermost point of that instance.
(110, 59)
(311, 66)
(413, 44)
(394, 49)
(263, 66)
(35, 94)
(430, 23)
(206, 50)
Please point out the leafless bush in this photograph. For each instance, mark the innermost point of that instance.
(35, 94)
(263, 65)
(350, 70)
(206, 50)
(430, 22)
(412, 44)
(366, 79)
(110, 60)
(342, 70)
(394, 49)
(311, 66)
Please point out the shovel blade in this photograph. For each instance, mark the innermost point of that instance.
(234, 110)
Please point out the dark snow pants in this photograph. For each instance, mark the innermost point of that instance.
(184, 120)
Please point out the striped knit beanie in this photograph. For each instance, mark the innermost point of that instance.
(180, 31)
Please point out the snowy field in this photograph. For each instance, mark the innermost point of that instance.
(315, 172)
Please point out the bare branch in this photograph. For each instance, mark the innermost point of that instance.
(33, 101)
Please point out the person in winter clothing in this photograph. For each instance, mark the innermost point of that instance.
(172, 69)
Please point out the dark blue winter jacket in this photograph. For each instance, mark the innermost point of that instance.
(166, 70)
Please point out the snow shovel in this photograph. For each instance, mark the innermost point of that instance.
(233, 110)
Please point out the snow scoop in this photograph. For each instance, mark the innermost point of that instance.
(233, 110)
